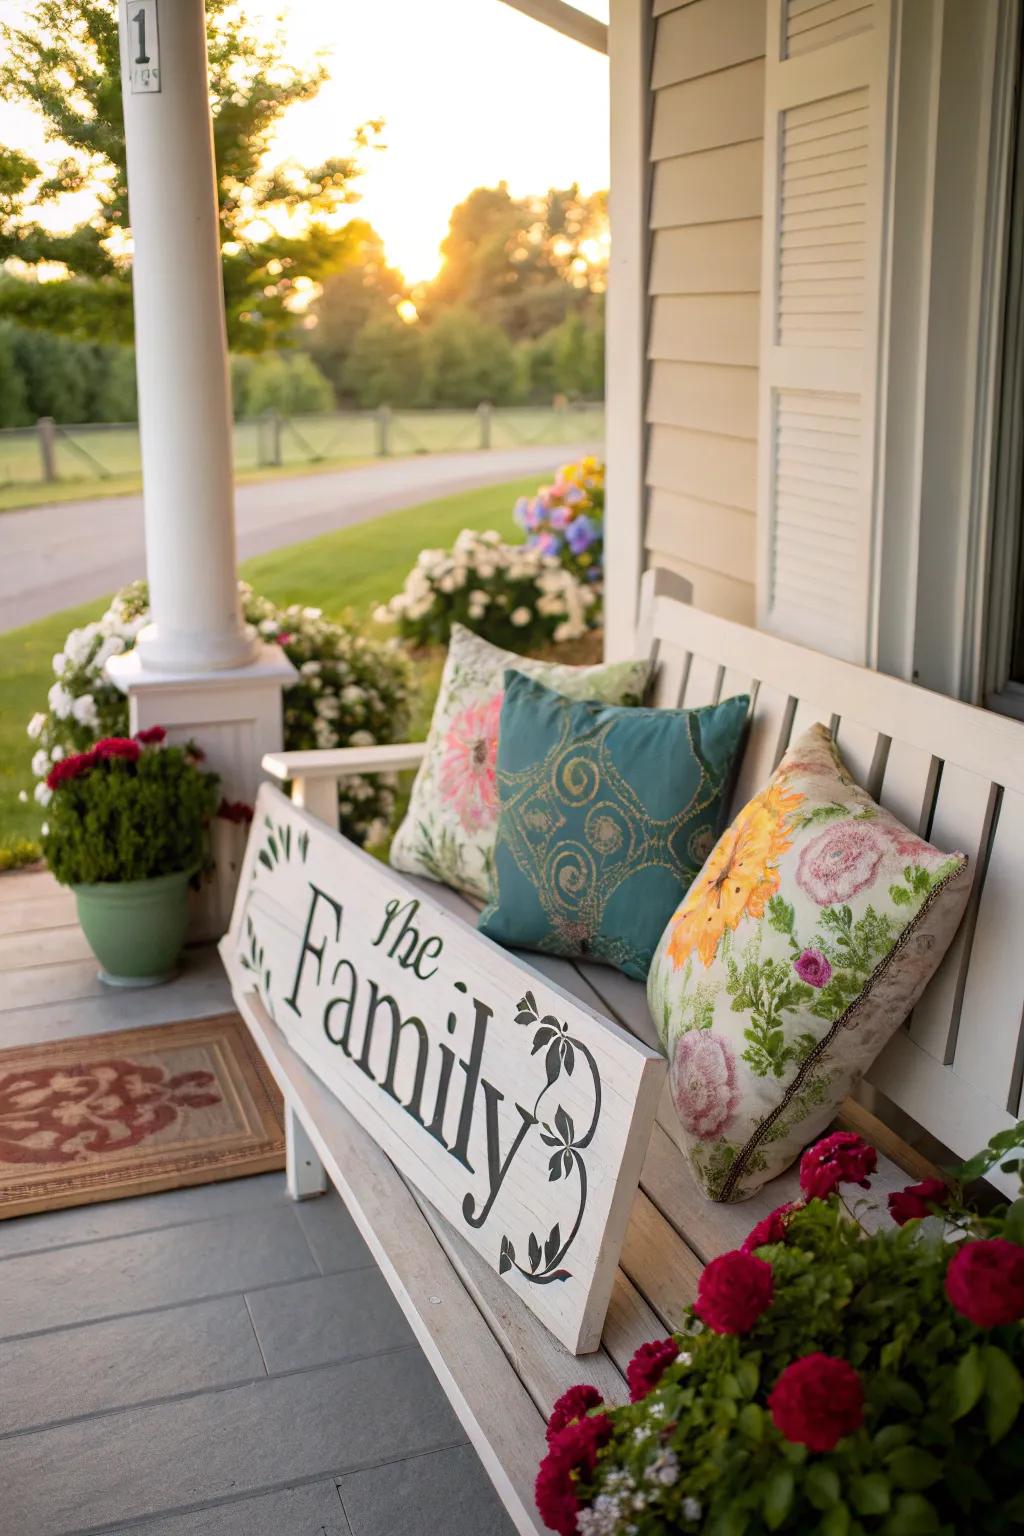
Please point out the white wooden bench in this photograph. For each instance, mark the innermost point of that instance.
(948, 771)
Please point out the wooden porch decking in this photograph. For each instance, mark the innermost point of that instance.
(209, 1362)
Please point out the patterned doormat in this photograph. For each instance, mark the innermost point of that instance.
(133, 1112)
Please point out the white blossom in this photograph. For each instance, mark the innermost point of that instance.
(42, 794)
(85, 711)
(113, 645)
(664, 1470)
(23, 796)
(35, 726)
(60, 701)
(40, 763)
(692, 1508)
(521, 617)
(310, 668)
(60, 661)
(362, 739)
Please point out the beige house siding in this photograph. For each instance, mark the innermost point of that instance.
(707, 82)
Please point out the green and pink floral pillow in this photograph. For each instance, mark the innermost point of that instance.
(450, 828)
(800, 948)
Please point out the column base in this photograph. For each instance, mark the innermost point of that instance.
(235, 716)
(196, 655)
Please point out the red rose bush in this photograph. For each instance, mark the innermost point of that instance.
(826, 1379)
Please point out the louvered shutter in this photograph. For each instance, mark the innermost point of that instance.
(827, 131)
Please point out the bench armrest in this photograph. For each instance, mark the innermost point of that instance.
(314, 775)
(342, 762)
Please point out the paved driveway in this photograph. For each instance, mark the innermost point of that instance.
(54, 556)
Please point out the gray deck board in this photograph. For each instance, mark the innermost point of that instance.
(447, 1494)
(143, 1213)
(140, 1461)
(313, 1510)
(79, 1371)
(151, 1269)
(207, 1362)
(335, 1317)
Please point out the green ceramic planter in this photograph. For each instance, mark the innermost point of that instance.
(135, 928)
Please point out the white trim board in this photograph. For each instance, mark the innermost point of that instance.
(566, 19)
(626, 367)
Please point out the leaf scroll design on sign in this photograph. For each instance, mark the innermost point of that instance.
(277, 844)
(561, 1054)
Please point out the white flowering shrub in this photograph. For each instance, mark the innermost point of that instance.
(512, 595)
(350, 692)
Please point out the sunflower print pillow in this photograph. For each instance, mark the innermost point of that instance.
(800, 948)
(449, 830)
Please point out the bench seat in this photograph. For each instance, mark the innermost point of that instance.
(949, 772)
(500, 1367)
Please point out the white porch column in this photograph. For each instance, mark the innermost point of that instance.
(196, 668)
(180, 343)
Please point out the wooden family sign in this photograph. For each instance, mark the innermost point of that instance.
(523, 1117)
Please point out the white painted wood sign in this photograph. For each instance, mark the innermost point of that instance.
(523, 1117)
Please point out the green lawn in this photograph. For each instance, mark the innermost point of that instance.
(346, 573)
(100, 460)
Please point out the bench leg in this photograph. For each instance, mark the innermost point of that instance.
(303, 1169)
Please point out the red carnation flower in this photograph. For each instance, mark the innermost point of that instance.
(816, 1401)
(152, 736)
(574, 1404)
(574, 1449)
(118, 746)
(841, 1158)
(771, 1230)
(71, 767)
(916, 1200)
(985, 1282)
(734, 1290)
(648, 1366)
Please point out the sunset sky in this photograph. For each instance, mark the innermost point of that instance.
(472, 93)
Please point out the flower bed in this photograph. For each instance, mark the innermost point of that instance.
(350, 691)
(825, 1380)
(512, 595)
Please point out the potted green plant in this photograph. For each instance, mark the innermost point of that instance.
(827, 1380)
(126, 830)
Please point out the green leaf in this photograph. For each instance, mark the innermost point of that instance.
(821, 1485)
(913, 1516)
(836, 1522)
(778, 1497)
(751, 1422)
(748, 1377)
(870, 1494)
(1004, 1391)
(968, 1383)
(1014, 1226)
(891, 1436)
(910, 1467)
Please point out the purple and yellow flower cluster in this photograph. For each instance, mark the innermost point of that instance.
(566, 519)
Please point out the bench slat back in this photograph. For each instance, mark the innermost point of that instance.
(950, 772)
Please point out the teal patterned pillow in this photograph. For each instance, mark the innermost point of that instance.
(606, 815)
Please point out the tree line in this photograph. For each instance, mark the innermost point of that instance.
(316, 318)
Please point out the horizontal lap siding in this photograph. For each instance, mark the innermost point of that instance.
(702, 344)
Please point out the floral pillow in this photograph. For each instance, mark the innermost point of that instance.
(800, 948)
(450, 827)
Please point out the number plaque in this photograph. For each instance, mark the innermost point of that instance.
(141, 29)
